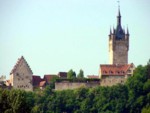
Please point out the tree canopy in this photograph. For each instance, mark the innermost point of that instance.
(81, 74)
(71, 74)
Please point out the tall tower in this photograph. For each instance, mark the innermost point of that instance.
(118, 43)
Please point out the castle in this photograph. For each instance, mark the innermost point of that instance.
(117, 71)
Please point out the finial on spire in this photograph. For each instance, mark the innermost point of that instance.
(118, 4)
(119, 15)
(119, 8)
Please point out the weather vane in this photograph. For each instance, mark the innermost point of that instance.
(118, 3)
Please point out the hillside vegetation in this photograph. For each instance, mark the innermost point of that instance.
(132, 97)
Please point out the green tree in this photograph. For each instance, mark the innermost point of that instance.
(146, 109)
(52, 82)
(81, 74)
(71, 74)
(148, 69)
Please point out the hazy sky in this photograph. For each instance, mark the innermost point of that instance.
(58, 35)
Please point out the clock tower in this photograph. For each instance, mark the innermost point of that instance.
(118, 43)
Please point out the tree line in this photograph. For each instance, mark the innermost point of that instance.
(131, 97)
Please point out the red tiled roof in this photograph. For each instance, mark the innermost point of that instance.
(42, 83)
(62, 74)
(17, 64)
(48, 78)
(93, 76)
(114, 69)
(36, 80)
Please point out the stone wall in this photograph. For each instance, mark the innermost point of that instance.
(118, 51)
(112, 80)
(74, 85)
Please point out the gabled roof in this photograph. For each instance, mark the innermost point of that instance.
(20, 60)
(62, 74)
(42, 84)
(49, 77)
(114, 69)
(36, 80)
(93, 76)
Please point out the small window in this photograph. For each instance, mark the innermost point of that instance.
(129, 71)
(111, 72)
(123, 72)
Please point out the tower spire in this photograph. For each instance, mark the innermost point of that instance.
(119, 14)
(127, 31)
(110, 31)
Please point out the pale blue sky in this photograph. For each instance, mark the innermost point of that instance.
(58, 35)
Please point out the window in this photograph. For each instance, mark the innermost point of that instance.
(104, 71)
(129, 71)
(123, 72)
(111, 72)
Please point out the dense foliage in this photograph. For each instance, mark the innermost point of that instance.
(81, 74)
(71, 74)
(132, 97)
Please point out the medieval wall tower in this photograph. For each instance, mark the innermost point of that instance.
(118, 43)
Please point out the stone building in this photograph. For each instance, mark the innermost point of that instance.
(114, 74)
(118, 70)
(21, 76)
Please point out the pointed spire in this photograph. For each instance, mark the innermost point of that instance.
(110, 31)
(127, 31)
(119, 15)
(123, 29)
(113, 30)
